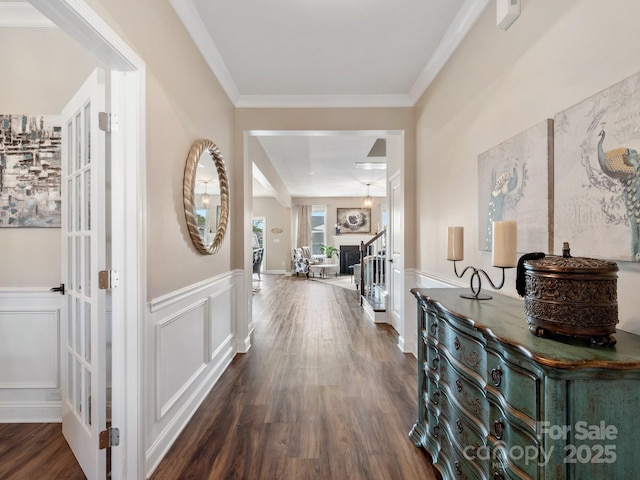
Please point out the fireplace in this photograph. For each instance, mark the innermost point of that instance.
(349, 255)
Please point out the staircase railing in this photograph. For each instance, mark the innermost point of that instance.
(372, 264)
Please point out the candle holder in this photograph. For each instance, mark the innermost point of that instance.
(476, 275)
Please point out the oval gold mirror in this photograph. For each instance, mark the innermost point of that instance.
(206, 196)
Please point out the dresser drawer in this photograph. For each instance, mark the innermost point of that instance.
(456, 465)
(520, 447)
(462, 348)
(519, 388)
(468, 395)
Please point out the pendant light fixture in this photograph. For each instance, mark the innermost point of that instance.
(367, 202)
(205, 196)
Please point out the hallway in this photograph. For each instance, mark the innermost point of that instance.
(322, 394)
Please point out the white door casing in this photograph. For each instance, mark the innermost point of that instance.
(396, 242)
(84, 253)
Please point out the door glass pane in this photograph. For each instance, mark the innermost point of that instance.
(70, 309)
(78, 205)
(69, 140)
(77, 346)
(69, 264)
(87, 131)
(87, 332)
(69, 206)
(78, 138)
(78, 272)
(87, 398)
(87, 195)
(78, 386)
(70, 377)
(87, 265)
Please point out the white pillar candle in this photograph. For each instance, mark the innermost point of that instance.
(505, 235)
(455, 243)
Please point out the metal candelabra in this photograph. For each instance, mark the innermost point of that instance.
(475, 288)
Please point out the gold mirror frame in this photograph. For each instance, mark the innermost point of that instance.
(189, 187)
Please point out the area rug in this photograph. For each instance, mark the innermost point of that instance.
(343, 281)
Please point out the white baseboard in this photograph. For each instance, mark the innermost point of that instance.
(31, 412)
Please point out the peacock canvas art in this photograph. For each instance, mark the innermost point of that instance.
(514, 184)
(597, 176)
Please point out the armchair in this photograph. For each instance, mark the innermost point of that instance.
(301, 258)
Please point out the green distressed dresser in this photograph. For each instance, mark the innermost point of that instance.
(496, 402)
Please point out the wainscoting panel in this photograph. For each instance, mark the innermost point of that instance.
(191, 341)
(180, 353)
(221, 310)
(30, 348)
(30, 355)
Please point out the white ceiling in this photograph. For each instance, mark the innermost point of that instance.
(324, 165)
(335, 53)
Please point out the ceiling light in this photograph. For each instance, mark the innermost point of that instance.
(367, 202)
(205, 196)
(370, 165)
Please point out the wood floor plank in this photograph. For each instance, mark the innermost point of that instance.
(322, 394)
(34, 451)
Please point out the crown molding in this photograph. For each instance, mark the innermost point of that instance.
(190, 17)
(323, 101)
(22, 15)
(462, 23)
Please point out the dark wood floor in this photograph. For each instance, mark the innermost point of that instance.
(31, 451)
(322, 394)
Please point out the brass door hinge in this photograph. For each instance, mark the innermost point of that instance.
(108, 122)
(107, 279)
(109, 438)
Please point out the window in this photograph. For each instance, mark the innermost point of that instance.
(318, 228)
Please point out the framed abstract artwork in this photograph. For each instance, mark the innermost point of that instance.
(354, 220)
(514, 183)
(30, 168)
(597, 199)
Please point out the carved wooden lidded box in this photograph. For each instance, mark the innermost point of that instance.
(572, 297)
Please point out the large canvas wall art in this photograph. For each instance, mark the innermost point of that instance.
(597, 203)
(354, 220)
(514, 184)
(30, 162)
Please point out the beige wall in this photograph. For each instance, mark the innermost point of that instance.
(277, 245)
(498, 84)
(31, 257)
(184, 102)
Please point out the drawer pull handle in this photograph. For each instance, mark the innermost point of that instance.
(460, 427)
(435, 431)
(498, 429)
(436, 397)
(496, 376)
(435, 362)
(433, 328)
(459, 385)
(456, 343)
(458, 469)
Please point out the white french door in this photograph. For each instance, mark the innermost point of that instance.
(84, 254)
